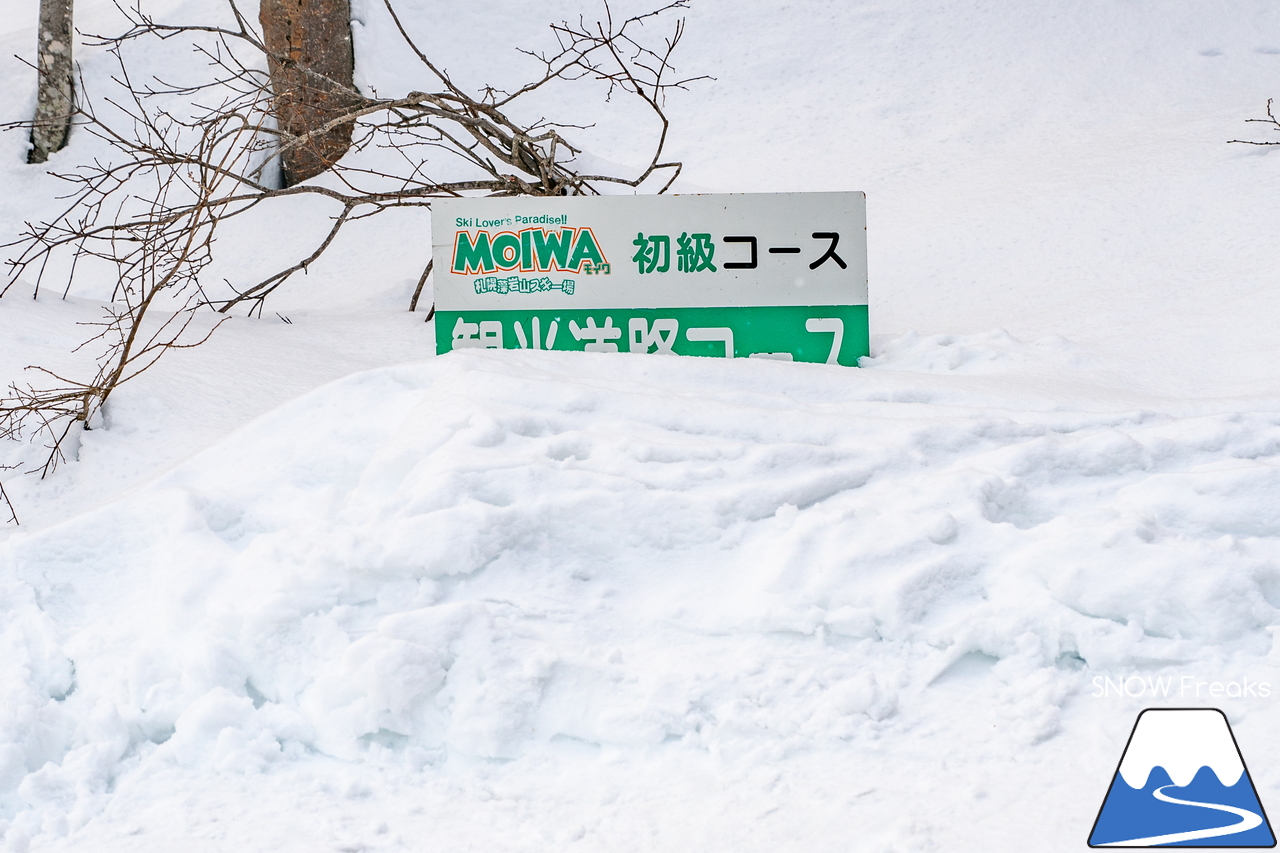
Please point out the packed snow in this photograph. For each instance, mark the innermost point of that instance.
(311, 587)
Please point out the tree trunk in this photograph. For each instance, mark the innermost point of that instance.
(57, 81)
(311, 63)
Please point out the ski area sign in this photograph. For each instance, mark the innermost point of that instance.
(781, 276)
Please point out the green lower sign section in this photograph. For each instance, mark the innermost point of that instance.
(831, 334)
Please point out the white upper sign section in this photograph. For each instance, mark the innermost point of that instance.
(1181, 741)
(665, 251)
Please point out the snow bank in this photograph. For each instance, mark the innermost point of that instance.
(483, 556)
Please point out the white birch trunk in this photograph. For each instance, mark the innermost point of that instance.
(54, 98)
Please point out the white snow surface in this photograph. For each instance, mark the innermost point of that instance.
(1181, 741)
(309, 587)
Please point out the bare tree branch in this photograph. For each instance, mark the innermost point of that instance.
(13, 513)
(189, 157)
(1270, 119)
(417, 291)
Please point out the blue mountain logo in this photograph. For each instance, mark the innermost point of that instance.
(1182, 783)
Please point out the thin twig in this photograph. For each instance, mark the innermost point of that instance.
(189, 157)
(1270, 119)
(13, 513)
(417, 291)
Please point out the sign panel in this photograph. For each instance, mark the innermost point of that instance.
(780, 276)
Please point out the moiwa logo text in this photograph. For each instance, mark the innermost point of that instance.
(528, 250)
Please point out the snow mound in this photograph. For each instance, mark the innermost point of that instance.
(984, 353)
(494, 553)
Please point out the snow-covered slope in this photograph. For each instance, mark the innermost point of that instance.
(310, 587)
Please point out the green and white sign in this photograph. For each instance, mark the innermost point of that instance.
(780, 276)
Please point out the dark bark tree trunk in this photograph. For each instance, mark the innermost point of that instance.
(57, 81)
(311, 64)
